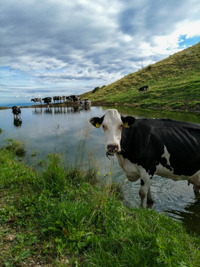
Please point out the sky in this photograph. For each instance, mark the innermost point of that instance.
(64, 47)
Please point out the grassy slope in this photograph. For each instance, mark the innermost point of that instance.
(174, 84)
(61, 218)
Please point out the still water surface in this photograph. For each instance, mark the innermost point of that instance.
(65, 130)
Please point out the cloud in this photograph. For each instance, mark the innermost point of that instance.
(82, 44)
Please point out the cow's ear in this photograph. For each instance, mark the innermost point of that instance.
(96, 121)
(127, 121)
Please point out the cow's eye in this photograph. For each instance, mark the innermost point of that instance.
(120, 126)
(104, 127)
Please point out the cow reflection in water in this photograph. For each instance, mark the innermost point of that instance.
(17, 122)
(48, 110)
(59, 110)
(37, 111)
(85, 108)
(73, 110)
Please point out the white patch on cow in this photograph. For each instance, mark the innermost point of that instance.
(195, 179)
(166, 155)
(164, 172)
(112, 130)
(131, 170)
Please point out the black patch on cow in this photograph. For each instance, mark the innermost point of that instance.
(164, 163)
(142, 182)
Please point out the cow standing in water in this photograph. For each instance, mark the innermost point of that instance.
(17, 116)
(145, 147)
(16, 111)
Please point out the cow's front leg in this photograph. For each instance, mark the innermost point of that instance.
(145, 187)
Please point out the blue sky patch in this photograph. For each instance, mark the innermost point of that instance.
(185, 42)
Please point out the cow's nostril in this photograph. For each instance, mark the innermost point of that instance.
(112, 147)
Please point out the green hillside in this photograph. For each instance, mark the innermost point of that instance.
(174, 83)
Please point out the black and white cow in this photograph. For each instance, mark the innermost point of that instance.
(63, 98)
(143, 88)
(57, 98)
(85, 102)
(73, 98)
(16, 111)
(145, 147)
(47, 100)
(36, 100)
(17, 116)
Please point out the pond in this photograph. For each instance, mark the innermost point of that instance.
(67, 130)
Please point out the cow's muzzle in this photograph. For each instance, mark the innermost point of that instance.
(112, 149)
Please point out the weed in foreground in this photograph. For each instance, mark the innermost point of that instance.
(16, 147)
(60, 217)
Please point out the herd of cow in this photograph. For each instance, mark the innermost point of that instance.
(145, 147)
(85, 103)
(72, 98)
(48, 100)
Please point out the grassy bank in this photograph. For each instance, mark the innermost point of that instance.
(61, 217)
(173, 84)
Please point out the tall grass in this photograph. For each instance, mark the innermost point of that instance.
(59, 216)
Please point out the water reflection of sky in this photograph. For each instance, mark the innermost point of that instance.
(63, 130)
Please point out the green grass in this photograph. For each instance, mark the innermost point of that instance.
(173, 84)
(16, 147)
(61, 217)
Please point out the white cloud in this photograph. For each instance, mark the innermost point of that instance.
(82, 44)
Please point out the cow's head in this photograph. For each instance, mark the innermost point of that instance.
(112, 123)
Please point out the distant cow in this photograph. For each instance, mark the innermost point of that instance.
(63, 98)
(145, 147)
(73, 98)
(85, 102)
(143, 88)
(36, 100)
(47, 100)
(16, 111)
(57, 98)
